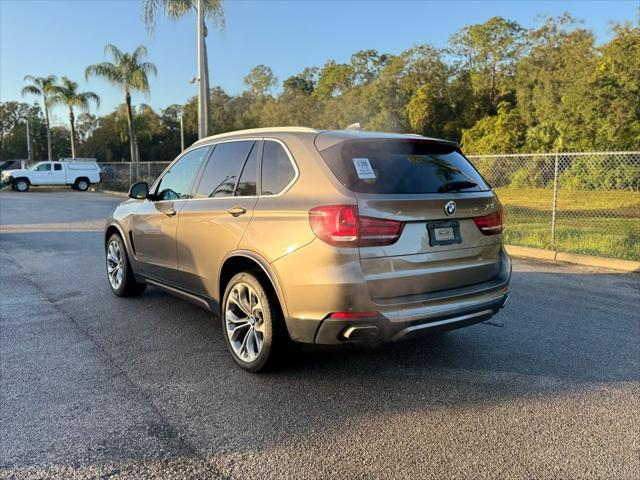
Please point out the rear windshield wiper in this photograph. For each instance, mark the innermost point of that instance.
(454, 186)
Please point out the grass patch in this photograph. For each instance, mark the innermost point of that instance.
(605, 224)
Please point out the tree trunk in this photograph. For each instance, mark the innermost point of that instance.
(73, 132)
(207, 102)
(132, 129)
(46, 117)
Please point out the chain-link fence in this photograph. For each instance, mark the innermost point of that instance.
(586, 203)
(118, 176)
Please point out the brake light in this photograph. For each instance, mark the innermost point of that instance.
(348, 315)
(341, 226)
(491, 224)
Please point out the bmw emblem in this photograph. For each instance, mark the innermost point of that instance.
(450, 208)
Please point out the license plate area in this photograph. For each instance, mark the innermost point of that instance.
(444, 233)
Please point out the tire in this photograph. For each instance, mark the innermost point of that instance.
(254, 341)
(122, 282)
(21, 185)
(82, 184)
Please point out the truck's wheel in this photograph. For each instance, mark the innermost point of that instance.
(82, 184)
(21, 184)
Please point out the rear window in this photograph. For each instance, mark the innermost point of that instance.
(402, 167)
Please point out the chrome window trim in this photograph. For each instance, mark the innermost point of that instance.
(264, 139)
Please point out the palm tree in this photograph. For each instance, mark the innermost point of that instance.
(41, 86)
(175, 9)
(130, 73)
(67, 94)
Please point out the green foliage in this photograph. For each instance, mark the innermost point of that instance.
(260, 81)
(127, 69)
(175, 9)
(497, 88)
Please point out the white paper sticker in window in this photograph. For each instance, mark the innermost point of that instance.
(363, 168)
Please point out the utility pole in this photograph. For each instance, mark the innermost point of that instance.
(29, 152)
(203, 114)
(181, 131)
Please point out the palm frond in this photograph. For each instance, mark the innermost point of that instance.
(150, 13)
(139, 81)
(31, 90)
(148, 68)
(138, 54)
(107, 70)
(175, 9)
(88, 97)
(115, 52)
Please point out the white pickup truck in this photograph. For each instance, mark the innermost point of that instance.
(79, 174)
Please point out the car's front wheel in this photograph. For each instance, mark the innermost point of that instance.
(119, 273)
(251, 322)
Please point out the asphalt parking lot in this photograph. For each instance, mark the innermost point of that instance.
(96, 386)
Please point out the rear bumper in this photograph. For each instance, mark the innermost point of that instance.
(393, 326)
(407, 317)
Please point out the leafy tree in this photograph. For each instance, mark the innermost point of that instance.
(614, 92)
(260, 80)
(68, 94)
(552, 85)
(335, 79)
(367, 65)
(129, 72)
(86, 126)
(489, 52)
(41, 86)
(501, 133)
(303, 83)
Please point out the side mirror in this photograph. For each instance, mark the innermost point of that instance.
(139, 190)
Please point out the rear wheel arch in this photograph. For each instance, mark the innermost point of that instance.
(243, 261)
(80, 179)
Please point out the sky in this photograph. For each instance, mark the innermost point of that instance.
(62, 37)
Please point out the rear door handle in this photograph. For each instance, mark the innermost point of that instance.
(169, 212)
(237, 211)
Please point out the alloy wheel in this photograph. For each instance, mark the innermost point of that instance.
(114, 264)
(244, 322)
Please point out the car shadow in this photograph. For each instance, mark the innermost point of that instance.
(561, 333)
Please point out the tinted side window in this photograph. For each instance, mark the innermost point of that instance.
(44, 167)
(249, 176)
(176, 182)
(57, 167)
(277, 171)
(221, 173)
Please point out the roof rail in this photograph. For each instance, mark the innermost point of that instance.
(259, 131)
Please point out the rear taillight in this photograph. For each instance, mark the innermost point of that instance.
(340, 225)
(492, 224)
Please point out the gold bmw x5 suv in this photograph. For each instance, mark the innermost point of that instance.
(324, 237)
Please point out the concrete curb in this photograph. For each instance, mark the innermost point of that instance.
(587, 260)
(112, 192)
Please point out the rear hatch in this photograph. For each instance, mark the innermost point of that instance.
(449, 235)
